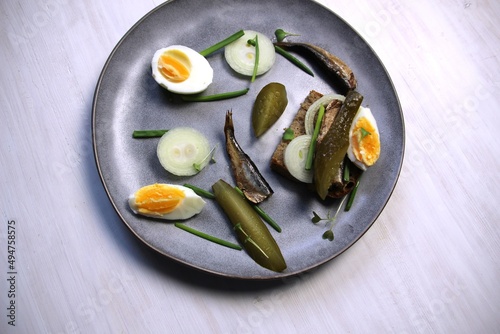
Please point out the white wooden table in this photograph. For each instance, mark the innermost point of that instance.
(429, 264)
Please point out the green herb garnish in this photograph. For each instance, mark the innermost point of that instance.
(312, 147)
(288, 134)
(199, 191)
(293, 60)
(255, 43)
(148, 133)
(330, 220)
(262, 213)
(214, 97)
(222, 43)
(364, 133)
(347, 173)
(281, 34)
(352, 194)
(208, 237)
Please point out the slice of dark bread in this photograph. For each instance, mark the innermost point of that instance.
(337, 190)
(297, 125)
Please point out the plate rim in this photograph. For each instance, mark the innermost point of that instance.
(277, 276)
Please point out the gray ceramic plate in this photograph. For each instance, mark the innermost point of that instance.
(127, 98)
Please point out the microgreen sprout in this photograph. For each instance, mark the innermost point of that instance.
(281, 34)
(288, 134)
(330, 220)
(364, 133)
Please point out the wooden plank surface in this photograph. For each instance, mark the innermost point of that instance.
(430, 264)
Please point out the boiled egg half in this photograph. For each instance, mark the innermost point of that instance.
(166, 201)
(181, 70)
(364, 139)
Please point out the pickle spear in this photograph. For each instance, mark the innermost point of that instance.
(251, 231)
(330, 153)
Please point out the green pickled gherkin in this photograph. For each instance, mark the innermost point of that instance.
(268, 107)
(330, 153)
(251, 231)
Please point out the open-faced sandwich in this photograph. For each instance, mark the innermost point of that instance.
(331, 153)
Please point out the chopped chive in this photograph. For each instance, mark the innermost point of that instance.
(255, 42)
(222, 43)
(262, 213)
(148, 133)
(347, 173)
(199, 191)
(312, 147)
(207, 236)
(351, 197)
(215, 97)
(293, 60)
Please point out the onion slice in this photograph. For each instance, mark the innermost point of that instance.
(295, 158)
(241, 56)
(309, 121)
(183, 151)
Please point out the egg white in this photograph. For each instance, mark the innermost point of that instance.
(200, 77)
(191, 205)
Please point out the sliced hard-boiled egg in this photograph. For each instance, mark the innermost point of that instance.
(241, 56)
(181, 70)
(166, 201)
(364, 139)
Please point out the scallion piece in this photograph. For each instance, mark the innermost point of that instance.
(214, 97)
(293, 60)
(312, 147)
(351, 197)
(148, 133)
(255, 43)
(262, 213)
(347, 173)
(208, 237)
(222, 43)
(199, 191)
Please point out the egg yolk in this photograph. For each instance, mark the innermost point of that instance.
(365, 142)
(158, 199)
(174, 65)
